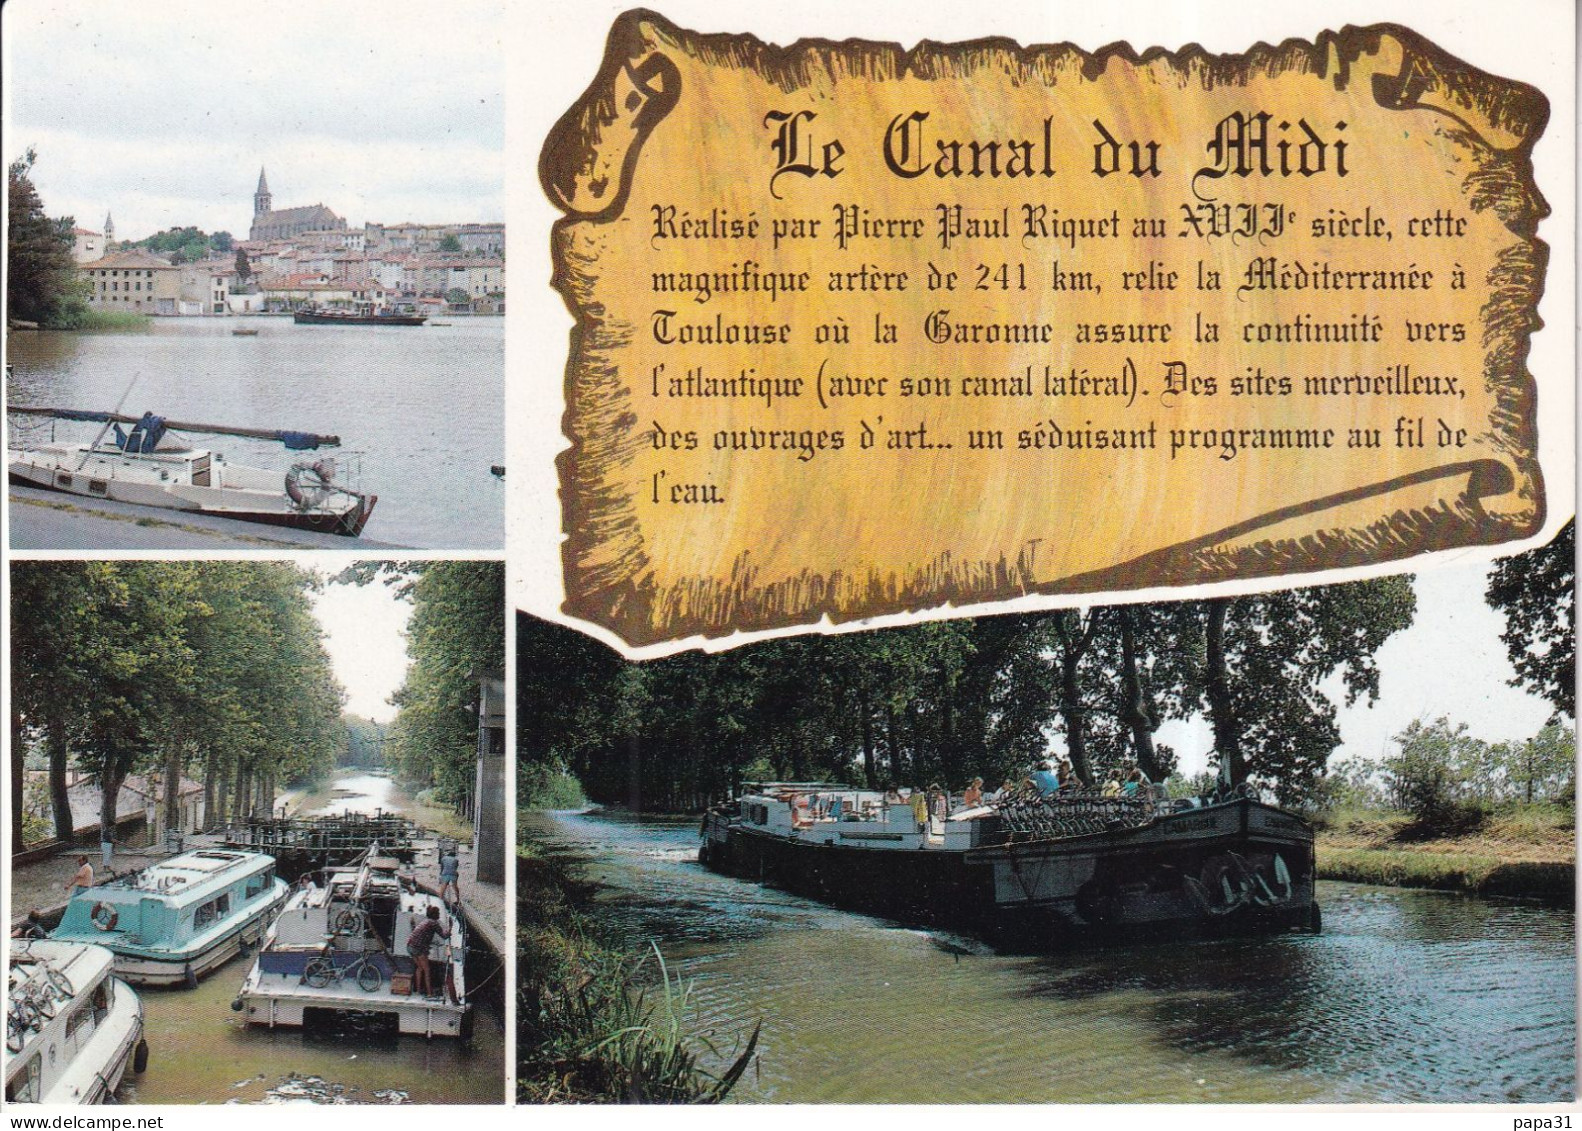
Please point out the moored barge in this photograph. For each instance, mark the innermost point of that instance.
(1031, 870)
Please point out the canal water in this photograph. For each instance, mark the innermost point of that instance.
(201, 1052)
(419, 410)
(1406, 997)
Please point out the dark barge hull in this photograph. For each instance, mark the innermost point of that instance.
(320, 318)
(1236, 868)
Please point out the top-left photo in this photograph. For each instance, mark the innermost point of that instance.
(256, 276)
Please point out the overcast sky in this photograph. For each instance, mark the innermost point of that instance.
(365, 635)
(162, 113)
(1450, 662)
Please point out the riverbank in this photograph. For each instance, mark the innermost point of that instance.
(1527, 853)
(595, 1025)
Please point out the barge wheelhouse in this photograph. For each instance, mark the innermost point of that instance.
(173, 922)
(1031, 870)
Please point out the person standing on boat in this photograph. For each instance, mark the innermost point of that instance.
(417, 947)
(972, 796)
(83, 879)
(449, 875)
(920, 809)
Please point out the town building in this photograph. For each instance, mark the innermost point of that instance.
(269, 224)
(133, 281)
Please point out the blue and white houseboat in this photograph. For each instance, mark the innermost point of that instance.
(72, 1028)
(172, 923)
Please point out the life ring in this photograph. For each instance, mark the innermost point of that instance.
(105, 917)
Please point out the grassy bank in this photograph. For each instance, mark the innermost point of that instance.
(94, 318)
(1527, 852)
(595, 1025)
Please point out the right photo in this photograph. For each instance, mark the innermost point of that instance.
(1257, 849)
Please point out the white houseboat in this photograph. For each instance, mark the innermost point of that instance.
(1032, 870)
(341, 948)
(146, 468)
(172, 923)
(72, 1029)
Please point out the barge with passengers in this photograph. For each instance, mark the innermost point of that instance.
(1031, 869)
(173, 922)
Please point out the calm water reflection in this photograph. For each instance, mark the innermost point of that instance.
(1405, 997)
(420, 408)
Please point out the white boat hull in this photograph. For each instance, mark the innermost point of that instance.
(163, 480)
(94, 1032)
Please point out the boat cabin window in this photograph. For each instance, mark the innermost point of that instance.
(101, 1001)
(79, 1017)
(262, 882)
(216, 908)
(24, 1088)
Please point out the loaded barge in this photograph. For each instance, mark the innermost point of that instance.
(1031, 870)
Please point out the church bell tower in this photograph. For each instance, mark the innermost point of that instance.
(261, 197)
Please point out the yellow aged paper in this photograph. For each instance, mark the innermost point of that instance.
(862, 330)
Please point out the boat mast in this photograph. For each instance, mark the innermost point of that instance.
(306, 439)
(97, 440)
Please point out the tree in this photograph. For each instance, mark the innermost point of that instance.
(244, 269)
(1536, 592)
(450, 245)
(457, 297)
(42, 281)
(131, 667)
(456, 634)
(222, 243)
(1267, 658)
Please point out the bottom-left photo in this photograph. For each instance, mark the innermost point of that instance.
(257, 819)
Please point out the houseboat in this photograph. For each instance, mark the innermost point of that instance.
(341, 948)
(145, 466)
(172, 923)
(72, 1028)
(1031, 870)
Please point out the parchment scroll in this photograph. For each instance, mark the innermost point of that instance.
(862, 330)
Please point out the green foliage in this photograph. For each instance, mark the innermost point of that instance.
(1442, 775)
(212, 668)
(594, 1026)
(1350, 783)
(1265, 679)
(43, 284)
(98, 318)
(1537, 593)
(542, 787)
(457, 297)
(244, 268)
(186, 245)
(456, 635)
(365, 740)
(450, 245)
(952, 700)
